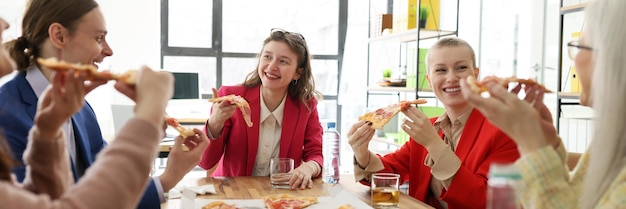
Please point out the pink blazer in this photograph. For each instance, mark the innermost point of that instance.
(235, 150)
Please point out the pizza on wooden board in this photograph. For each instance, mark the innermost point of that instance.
(286, 201)
(480, 86)
(237, 100)
(382, 116)
(93, 74)
(219, 205)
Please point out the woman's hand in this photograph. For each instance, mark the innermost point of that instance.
(63, 98)
(359, 137)
(302, 176)
(222, 111)
(180, 162)
(421, 130)
(534, 96)
(527, 122)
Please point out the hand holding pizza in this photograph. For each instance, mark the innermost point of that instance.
(222, 111)
(151, 92)
(63, 97)
(232, 100)
(180, 162)
(529, 129)
(419, 127)
(359, 137)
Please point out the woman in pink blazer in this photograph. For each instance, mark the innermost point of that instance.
(283, 101)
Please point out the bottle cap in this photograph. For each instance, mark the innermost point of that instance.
(331, 125)
(509, 171)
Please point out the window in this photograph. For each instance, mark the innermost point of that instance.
(189, 23)
(220, 40)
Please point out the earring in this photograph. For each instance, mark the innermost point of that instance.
(294, 82)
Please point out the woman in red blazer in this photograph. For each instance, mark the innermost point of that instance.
(283, 101)
(447, 160)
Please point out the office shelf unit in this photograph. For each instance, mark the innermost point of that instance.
(566, 74)
(403, 51)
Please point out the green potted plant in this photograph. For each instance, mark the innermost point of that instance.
(424, 12)
(387, 74)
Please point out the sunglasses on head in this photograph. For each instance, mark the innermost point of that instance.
(282, 31)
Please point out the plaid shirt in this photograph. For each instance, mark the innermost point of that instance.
(547, 182)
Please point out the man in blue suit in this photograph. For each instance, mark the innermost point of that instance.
(73, 31)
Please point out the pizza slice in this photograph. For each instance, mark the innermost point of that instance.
(381, 116)
(237, 100)
(219, 205)
(173, 122)
(286, 201)
(479, 86)
(92, 72)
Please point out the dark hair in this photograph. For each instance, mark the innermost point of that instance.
(302, 89)
(6, 160)
(40, 14)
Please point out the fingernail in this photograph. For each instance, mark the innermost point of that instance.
(369, 123)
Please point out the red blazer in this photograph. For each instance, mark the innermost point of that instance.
(480, 145)
(235, 150)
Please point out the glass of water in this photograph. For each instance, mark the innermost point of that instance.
(280, 175)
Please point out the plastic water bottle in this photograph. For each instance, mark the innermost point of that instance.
(330, 150)
(502, 183)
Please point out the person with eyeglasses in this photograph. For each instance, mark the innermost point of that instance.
(283, 99)
(73, 31)
(599, 179)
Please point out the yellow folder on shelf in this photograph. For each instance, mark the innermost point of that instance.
(573, 75)
(575, 82)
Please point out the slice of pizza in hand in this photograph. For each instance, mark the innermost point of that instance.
(480, 86)
(173, 122)
(92, 71)
(219, 205)
(381, 116)
(286, 201)
(237, 100)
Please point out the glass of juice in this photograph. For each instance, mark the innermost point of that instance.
(385, 192)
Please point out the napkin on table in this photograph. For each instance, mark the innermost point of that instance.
(176, 192)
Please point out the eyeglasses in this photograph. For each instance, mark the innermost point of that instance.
(282, 31)
(573, 47)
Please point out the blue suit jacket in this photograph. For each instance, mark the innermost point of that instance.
(18, 104)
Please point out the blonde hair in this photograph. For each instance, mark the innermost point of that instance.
(452, 42)
(608, 90)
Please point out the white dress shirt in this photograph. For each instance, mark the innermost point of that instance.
(269, 137)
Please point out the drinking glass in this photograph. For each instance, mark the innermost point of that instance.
(385, 193)
(279, 172)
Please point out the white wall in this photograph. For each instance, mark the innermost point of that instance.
(134, 34)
